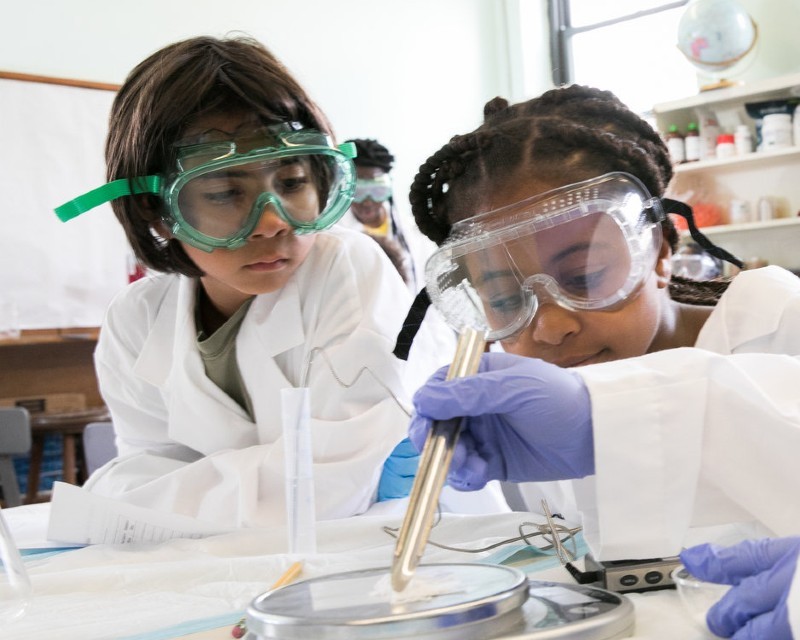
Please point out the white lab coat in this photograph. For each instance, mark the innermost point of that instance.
(186, 447)
(703, 443)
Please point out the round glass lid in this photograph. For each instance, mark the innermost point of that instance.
(440, 600)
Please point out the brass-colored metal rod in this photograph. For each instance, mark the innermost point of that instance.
(433, 466)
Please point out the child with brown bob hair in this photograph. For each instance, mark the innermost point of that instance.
(227, 180)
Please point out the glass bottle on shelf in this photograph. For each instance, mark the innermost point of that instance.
(692, 142)
(675, 145)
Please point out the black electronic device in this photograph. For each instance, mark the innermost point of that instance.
(626, 576)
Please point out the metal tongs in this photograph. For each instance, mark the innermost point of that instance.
(433, 466)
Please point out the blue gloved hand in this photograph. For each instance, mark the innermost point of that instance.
(399, 471)
(761, 572)
(526, 420)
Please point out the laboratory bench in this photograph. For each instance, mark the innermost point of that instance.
(197, 589)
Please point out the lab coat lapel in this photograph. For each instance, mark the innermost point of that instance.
(273, 326)
(170, 359)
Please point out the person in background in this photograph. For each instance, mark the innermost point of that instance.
(374, 209)
(395, 253)
(228, 183)
(672, 403)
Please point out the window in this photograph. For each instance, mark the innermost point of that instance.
(628, 47)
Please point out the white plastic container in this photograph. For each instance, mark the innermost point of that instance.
(709, 130)
(796, 125)
(739, 212)
(765, 209)
(776, 131)
(726, 146)
(743, 140)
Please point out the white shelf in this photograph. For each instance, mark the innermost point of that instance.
(776, 241)
(768, 89)
(769, 226)
(741, 162)
(771, 174)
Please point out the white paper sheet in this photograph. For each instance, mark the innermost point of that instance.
(80, 517)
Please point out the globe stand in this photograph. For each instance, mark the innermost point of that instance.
(719, 84)
(694, 39)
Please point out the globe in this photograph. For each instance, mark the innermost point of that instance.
(716, 35)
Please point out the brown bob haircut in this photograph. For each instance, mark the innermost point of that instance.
(163, 95)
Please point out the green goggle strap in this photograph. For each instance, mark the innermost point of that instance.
(107, 193)
(348, 149)
(126, 187)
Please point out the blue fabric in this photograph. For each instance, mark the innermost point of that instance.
(190, 626)
(524, 420)
(761, 572)
(399, 472)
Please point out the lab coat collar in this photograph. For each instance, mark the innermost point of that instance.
(274, 320)
(169, 358)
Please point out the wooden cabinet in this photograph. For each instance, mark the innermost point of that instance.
(774, 175)
(50, 361)
(57, 365)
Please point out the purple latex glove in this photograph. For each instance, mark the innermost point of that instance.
(761, 572)
(525, 420)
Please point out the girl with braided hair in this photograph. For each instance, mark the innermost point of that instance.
(675, 402)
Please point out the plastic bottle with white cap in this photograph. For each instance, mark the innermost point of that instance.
(743, 140)
(796, 126)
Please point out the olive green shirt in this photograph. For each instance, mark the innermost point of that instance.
(218, 352)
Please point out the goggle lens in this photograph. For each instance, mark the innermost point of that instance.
(222, 202)
(379, 190)
(590, 252)
(586, 259)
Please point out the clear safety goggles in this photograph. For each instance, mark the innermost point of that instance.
(377, 190)
(220, 189)
(586, 246)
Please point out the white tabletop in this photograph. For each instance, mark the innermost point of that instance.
(197, 588)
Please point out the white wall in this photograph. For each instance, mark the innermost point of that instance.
(411, 73)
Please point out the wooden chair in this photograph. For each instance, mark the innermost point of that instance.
(15, 439)
(70, 426)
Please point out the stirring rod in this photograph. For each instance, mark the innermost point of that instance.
(295, 569)
(432, 472)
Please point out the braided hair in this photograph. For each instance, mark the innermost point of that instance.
(371, 153)
(578, 131)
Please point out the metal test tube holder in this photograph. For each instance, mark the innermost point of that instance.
(433, 466)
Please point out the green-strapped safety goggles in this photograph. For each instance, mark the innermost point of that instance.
(220, 189)
(377, 189)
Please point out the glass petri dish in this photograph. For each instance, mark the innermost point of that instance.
(443, 601)
(697, 596)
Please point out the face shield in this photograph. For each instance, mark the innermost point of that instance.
(586, 246)
(219, 190)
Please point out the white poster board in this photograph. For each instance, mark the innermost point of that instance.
(52, 139)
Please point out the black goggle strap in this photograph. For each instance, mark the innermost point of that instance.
(685, 211)
(411, 325)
